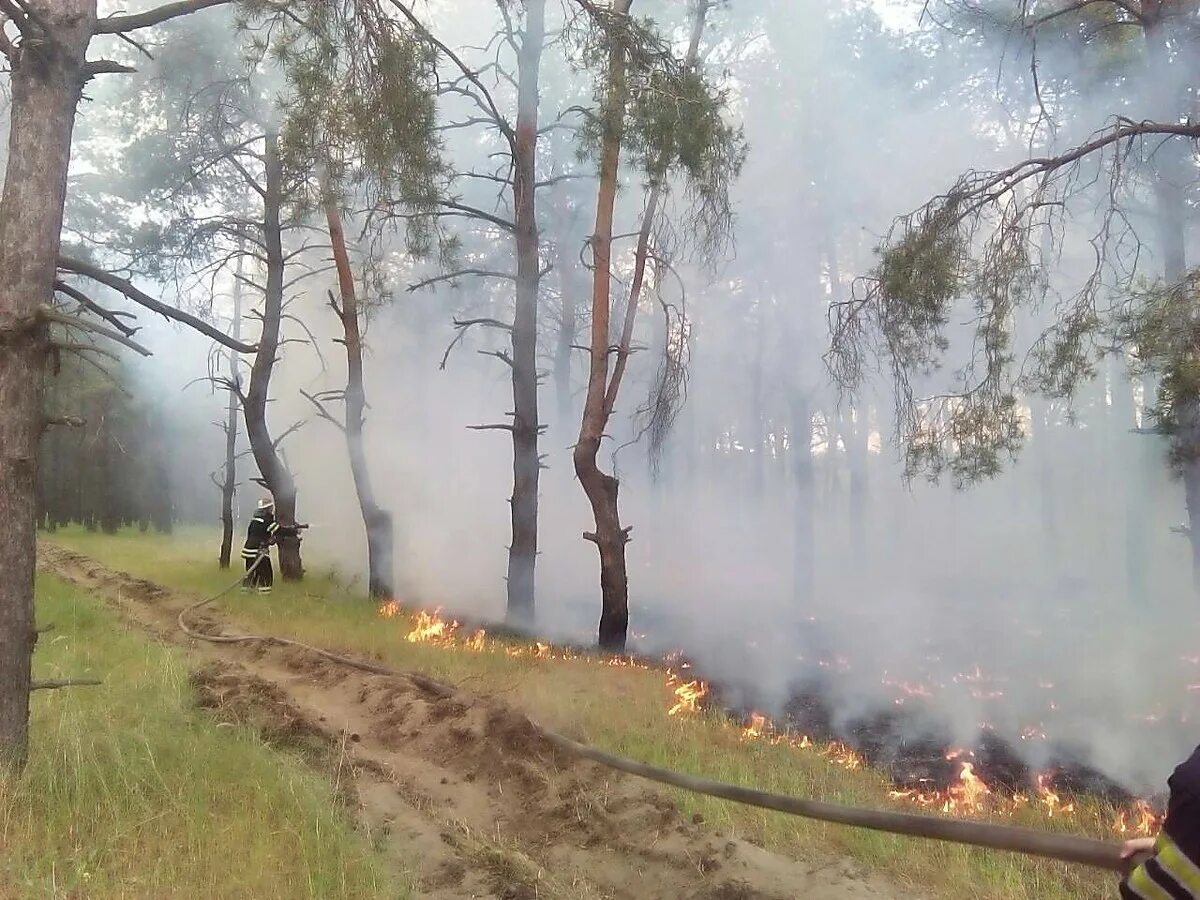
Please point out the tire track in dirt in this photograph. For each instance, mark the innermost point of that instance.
(462, 787)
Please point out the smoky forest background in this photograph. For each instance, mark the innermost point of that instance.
(881, 316)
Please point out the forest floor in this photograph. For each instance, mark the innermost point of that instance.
(460, 795)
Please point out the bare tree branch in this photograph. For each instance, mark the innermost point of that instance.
(461, 273)
(150, 18)
(51, 315)
(79, 267)
(112, 317)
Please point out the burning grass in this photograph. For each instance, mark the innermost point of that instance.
(626, 706)
(964, 794)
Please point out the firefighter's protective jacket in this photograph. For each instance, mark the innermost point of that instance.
(260, 534)
(1174, 870)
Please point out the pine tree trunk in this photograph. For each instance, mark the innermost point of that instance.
(229, 483)
(46, 81)
(601, 489)
(377, 521)
(522, 552)
(278, 478)
(610, 537)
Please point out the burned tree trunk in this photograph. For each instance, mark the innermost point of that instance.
(229, 483)
(377, 521)
(610, 537)
(275, 474)
(47, 77)
(601, 489)
(522, 553)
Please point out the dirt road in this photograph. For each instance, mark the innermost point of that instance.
(461, 787)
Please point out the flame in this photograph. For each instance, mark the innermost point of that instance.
(758, 723)
(1050, 799)
(475, 642)
(687, 695)
(971, 789)
(432, 628)
(839, 753)
(968, 794)
(1138, 818)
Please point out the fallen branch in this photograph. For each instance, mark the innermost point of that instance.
(54, 684)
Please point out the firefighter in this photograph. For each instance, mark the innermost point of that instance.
(260, 535)
(1173, 871)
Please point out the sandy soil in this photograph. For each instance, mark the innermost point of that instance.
(461, 788)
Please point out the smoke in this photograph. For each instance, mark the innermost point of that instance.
(1052, 605)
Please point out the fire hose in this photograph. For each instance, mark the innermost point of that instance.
(1062, 847)
(1030, 842)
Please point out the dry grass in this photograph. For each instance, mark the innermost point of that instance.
(624, 710)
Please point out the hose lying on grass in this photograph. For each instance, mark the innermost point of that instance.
(1062, 847)
(429, 684)
(1066, 848)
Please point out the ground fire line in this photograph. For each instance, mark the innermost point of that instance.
(967, 795)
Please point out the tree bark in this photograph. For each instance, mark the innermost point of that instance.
(278, 478)
(46, 81)
(376, 520)
(522, 552)
(229, 484)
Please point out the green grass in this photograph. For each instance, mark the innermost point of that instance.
(130, 792)
(623, 710)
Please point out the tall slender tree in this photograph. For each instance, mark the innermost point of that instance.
(664, 135)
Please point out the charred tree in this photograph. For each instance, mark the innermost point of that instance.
(376, 520)
(521, 146)
(275, 474)
(601, 488)
(522, 553)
